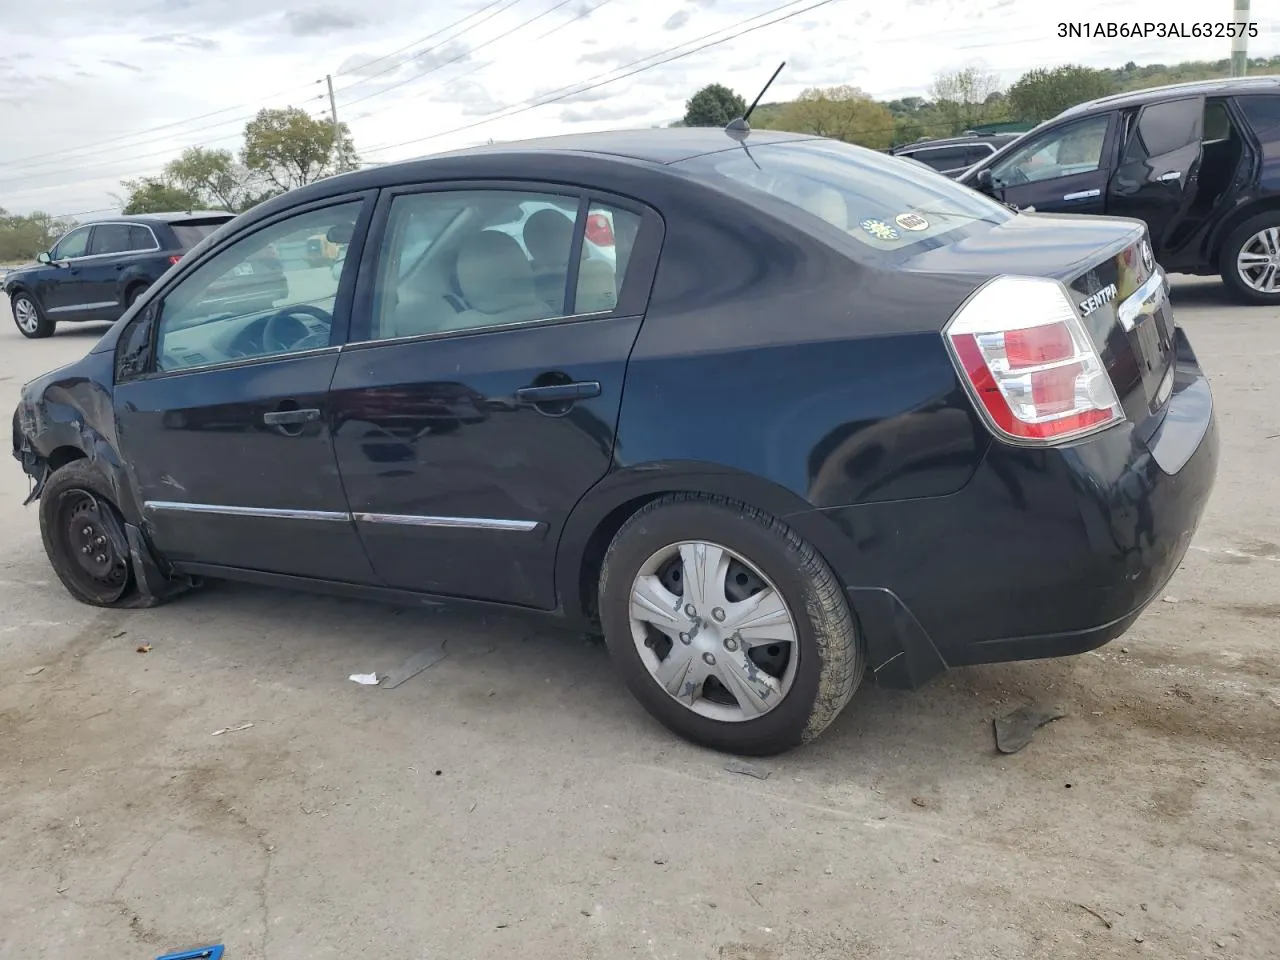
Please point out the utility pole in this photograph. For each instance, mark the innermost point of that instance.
(337, 135)
(1240, 42)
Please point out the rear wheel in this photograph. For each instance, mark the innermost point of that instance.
(1251, 260)
(29, 318)
(83, 536)
(730, 630)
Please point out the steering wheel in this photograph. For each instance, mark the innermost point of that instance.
(285, 332)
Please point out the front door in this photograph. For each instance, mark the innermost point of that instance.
(1159, 168)
(1063, 170)
(62, 289)
(225, 425)
(478, 399)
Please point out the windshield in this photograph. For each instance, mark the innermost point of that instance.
(887, 203)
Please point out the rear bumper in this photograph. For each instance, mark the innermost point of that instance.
(1044, 553)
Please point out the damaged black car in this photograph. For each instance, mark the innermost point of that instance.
(774, 414)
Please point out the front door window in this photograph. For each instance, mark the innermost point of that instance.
(1068, 150)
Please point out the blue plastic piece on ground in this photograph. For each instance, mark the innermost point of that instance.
(205, 953)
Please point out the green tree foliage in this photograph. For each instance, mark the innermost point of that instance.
(289, 148)
(22, 237)
(1041, 94)
(713, 106)
(963, 99)
(218, 179)
(842, 113)
(158, 195)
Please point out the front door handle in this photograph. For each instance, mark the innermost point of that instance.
(1083, 195)
(559, 392)
(281, 418)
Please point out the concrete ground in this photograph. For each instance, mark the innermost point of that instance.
(512, 800)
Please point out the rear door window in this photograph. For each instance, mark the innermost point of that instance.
(878, 200)
(1263, 114)
(1166, 127)
(109, 238)
(943, 158)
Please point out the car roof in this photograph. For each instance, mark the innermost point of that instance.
(659, 145)
(163, 217)
(1221, 87)
(959, 141)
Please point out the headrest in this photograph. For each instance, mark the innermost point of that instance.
(549, 236)
(493, 273)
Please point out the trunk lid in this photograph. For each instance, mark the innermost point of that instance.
(1107, 267)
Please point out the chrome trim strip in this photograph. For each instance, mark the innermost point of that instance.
(100, 305)
(473, 523)
(1141, 301)
(273, 513)
(1082, 195)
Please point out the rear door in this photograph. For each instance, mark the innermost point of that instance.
(1063, 170)
(473, 406)
(116, 251)
(1159, 167)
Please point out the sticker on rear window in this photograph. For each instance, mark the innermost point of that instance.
(911, 221)
(879, 229)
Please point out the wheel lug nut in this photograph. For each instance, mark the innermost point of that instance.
(87, 531)
(691, 610)
(100, 541)
(86, 549)
(718, 614)
(684, 638)
(100, 558)
(730, 644)
(709, 659)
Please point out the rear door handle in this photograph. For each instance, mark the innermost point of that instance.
(553, 392)
(1083, 195)
(279, 418)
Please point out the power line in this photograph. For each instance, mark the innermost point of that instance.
(573, 89)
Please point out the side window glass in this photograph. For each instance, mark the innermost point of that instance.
(1263, 114)
(140, 238)
(1075, 148)
(610, 238)
(74, 244)
(109, 238)
(468, 259)
(1166, 127)
(258, 297)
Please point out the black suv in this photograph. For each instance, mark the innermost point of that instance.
(954, 155)
(97, 270)
(1199, 163)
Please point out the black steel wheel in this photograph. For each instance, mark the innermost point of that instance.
(84, 537)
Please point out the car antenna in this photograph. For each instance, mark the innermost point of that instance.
(740, 128)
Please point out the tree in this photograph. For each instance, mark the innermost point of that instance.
(23, 237)
(961, 97)
(1040, 94)
(843, 113)
(713, 106)
(215, 176)
(290, 148)
(158, 195)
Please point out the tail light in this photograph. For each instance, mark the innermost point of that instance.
(1028, 361)
(599, 230)
(174, 259)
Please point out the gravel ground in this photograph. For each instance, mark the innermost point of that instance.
(512, 800)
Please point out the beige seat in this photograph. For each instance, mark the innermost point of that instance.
(496, 281)
(597, 287)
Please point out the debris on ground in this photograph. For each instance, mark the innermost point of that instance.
(144, 648)
(367, 679)
(1096, 914)
(1170, 599)
(243, 726)
(415, 665)
(748, 770)
(1015, 730)
(117, 636)
(34, 671)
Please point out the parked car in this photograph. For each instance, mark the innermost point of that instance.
(844, 418)
(96, 271)
(1198, 163)
(954, 155)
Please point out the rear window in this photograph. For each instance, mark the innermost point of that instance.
(191, 232)
(882, 201)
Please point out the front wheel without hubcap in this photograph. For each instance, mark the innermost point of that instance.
(727, 627)
(83, 536)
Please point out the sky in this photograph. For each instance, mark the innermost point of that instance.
(93, 91)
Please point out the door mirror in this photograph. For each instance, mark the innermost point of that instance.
(984, 182)
(43, 258)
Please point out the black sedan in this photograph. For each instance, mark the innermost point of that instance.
(773, 413)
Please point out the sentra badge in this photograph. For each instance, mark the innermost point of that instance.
(1105, 295)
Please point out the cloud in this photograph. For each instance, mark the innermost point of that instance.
(183, 40)
(322, 21)
(473, 99)
(616, 56)
(617, 111)
(122, 65)
(676, 20)
(451, 52)
(582, 96)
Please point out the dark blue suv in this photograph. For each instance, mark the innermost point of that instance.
(97, 270)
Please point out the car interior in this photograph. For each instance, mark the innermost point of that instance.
(1222, 154)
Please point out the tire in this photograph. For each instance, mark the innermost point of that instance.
(823, 665)
(1247, 237)
(75, 499)
(132, 294)
(31, 321)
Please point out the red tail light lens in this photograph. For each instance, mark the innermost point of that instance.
(1028, 361)
(173, 260)
(599, 230)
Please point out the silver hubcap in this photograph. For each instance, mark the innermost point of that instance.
(1258, 262)
(24, 313)
(713, 631)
